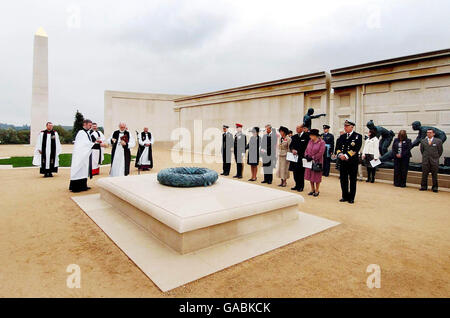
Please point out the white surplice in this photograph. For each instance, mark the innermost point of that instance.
(118, 165)
(48, 149)
(97, 153)
(82, 149)
(143, 160)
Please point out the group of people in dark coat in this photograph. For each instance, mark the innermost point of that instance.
(265, 149)
(307, 143)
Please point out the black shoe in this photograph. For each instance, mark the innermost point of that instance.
(403, 186)
(300, 189)
(269, 182)
(351, 201)
(50, 175)
(372, 181)
(226, 174)
(342, 200)
(236, 176)
(87, 188)
(368, 180)
(264, 181)
(294, 188)
(311, 193)
(423, 189)
(435, 190)
(316, 194)
(239, 177)
(222, 174)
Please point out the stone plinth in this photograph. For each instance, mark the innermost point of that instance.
(189, 219)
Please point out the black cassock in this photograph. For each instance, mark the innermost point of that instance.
(126, 150)
(44, 158)
(142, 148)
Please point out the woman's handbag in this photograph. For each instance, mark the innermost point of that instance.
(360, 160)
(317, 166)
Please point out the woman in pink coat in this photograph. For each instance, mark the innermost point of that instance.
(314, 151)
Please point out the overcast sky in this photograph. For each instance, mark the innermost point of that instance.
(190, 47)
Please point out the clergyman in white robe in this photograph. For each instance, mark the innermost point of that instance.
(46, 152)
(98, 154)
(80, 168)
(121, 154)
(144, 158)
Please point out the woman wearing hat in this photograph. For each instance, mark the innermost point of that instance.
(314, 152)
(283, 163)
(370, 152)
(253, 152)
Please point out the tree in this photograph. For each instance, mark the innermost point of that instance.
(65, 136)
(77, 124)
(12, 136)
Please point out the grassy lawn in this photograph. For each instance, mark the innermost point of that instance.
(64, 160)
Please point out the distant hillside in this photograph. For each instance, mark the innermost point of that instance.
(26, 127)
(8, 126)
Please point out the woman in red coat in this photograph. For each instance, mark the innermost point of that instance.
(314, 152)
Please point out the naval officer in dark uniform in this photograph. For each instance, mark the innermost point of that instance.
(347, 149)
(329, 144)
(227, 146)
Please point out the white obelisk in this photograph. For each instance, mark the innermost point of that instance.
(39, 97)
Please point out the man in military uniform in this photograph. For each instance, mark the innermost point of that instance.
(240, 141)
(227, 145)
(347, 149)
(329, 143)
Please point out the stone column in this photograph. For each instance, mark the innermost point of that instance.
(39, 99)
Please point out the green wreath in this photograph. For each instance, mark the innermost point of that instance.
(187, 177)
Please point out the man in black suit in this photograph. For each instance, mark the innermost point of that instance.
(240, 141)
(347, 149)
(227, 146)
(329, 143)
(269, 153)
(298, 145)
